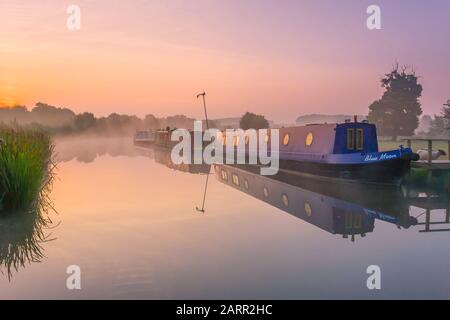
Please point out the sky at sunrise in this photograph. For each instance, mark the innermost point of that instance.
(279, 58)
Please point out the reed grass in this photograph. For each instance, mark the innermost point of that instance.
(26, 167)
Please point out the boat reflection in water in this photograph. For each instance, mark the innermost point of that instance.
(348, 209)
(162, 156)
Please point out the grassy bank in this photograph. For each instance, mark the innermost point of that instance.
(391, 145)
(25, 167)
(439, 180)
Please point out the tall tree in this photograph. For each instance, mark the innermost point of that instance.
(446, 114)
(397, 112)
(151, 122)
(253, 121)
(440, 126)
(84, 121)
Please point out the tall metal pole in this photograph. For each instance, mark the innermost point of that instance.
(203, 94)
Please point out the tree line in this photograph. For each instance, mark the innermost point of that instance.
(58, 120)
(396, 113)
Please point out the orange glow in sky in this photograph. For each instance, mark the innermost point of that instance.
(281, 60)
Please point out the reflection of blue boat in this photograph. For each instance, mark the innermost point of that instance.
(323, 205)
(343, 151)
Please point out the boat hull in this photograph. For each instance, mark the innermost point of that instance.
(391, 172)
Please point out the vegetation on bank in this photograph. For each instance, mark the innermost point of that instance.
(397, 112)
(438, 181)
(253, 121)
(390, 145)
(26, 168)
(22, 237)
(63, 121)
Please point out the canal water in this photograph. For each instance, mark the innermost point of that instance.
(136, 226)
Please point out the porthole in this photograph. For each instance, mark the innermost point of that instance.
(235, 179)
(266, 192)
(285, 200)
(286, 139)
(309, 139)
(308, 209)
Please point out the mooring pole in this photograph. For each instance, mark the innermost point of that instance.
(430, 149)
(203, 94)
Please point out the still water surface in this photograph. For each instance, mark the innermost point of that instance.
(128, 218)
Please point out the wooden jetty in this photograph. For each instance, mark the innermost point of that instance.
(433, 165)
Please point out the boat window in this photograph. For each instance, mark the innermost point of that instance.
(359, 139)
(309, 139)
(308, 209)
(285, 199)
(350, 139)
(235, 179)
(266, 192)
(286, 139)
(224, 175)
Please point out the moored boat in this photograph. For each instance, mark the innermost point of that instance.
(347, 151)
(344, 151)
(142, 137)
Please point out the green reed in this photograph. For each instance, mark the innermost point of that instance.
(25, 167)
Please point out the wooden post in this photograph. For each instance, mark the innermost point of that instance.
(430, 149)
(409, 143)
(427, 220)
(447, 216)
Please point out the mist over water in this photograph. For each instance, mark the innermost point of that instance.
(127, 216)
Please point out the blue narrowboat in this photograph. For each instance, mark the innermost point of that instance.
(346, 151)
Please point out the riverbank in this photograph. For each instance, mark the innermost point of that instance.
(25, 167)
